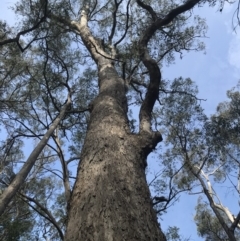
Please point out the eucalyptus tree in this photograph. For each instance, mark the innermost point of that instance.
(30, 111)
(122, 45)
(222, 135)
(208, 225)
(201, 153)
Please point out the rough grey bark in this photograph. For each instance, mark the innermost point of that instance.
(19, 179)
(111, 199)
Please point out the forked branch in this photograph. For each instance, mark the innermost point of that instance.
(151, 64)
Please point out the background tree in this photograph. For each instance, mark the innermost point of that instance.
(200, 153)
(208, 225)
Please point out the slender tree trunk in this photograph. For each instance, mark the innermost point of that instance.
(9, 193)
(207, 189)
(111, 199)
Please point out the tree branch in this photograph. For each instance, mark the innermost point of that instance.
(151, 64)
(35, 26)
(235, 223)
(64, 167)
(48, 215)
(148, 8)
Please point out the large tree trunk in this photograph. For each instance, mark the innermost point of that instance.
(111, 198)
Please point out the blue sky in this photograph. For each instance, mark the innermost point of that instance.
(219, 69)
(215, 72)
